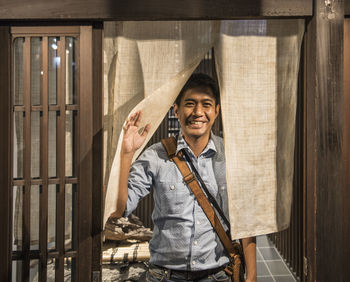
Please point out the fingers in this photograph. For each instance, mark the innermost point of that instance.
(126, 125)
(146, 130)
(132, 120)
(135, 120)
(134, 117)
(138, 118)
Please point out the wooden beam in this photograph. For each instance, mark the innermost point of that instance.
(97, 149)
(346, 148)
(324, 103)
(85, 166)
(44, 157)
(347, 7)
(61, 161)
(151, 9)
(5, 149)
(20, 31)
(27, 161)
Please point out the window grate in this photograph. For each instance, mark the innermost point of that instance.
(45, 153)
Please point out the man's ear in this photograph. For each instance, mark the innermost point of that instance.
(217, 110)
(176, 108)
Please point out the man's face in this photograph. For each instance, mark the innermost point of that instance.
(196, 113)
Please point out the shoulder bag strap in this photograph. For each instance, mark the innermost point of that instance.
(170, 145)
(211, 199)
(192, 183)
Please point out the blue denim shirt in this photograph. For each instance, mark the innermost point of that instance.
(183, 238)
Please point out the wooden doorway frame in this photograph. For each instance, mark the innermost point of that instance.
(90, 147)
(5, 149)
(325, 145)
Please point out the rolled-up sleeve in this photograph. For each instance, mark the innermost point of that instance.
(141, 175)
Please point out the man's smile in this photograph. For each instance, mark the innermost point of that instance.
(196, 123)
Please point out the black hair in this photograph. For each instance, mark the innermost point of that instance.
(203, 82)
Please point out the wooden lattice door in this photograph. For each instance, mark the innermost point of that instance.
(52, 153)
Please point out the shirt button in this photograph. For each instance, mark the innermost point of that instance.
(195, 242)
(172, 187)
(193, 262)
(198, 222)
(222, 187)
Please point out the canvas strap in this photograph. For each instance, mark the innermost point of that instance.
(170, 146)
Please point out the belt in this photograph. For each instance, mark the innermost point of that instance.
(188, 275)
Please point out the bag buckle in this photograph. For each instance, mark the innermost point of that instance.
(189, 178)
(229, 269)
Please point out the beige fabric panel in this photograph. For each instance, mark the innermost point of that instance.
(257, 65)
(146, 65)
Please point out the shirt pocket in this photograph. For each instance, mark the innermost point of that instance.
(172, 197)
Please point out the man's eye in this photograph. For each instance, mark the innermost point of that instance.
(207, 105)
(189, 104)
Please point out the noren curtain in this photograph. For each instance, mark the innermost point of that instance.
(146, 65)
(257, 62)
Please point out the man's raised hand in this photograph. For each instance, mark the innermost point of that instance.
(133, 139)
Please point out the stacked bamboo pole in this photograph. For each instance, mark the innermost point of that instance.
(127, 252)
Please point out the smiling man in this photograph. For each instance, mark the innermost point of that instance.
(184, 247)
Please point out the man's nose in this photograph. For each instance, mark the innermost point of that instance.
(198, 110)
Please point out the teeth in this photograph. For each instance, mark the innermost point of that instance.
(196, 122)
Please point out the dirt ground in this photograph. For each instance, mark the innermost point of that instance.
(134, 271)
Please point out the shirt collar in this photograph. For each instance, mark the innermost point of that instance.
(181, 144)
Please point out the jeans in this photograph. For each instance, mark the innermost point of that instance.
(156, 274)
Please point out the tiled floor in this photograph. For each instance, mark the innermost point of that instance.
(270, 265)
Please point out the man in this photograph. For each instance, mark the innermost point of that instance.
(184, 247)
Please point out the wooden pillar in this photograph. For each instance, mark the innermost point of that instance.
(324, 148)
(5, 169)
(97, 146)
(346, 150)
(85, 156)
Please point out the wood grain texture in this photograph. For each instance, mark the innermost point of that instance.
(44, 156)
(97, 147)
(304, 161)
(324, 144)
(346, 149)
(85, 156)
(27, 162)
(310, 162)
(347, 7)
(5, 149)
(151, 9)
(44, 30)
(61, 161)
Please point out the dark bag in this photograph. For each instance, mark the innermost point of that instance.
(236, 267)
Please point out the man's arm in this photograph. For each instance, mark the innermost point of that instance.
(249, 249)
(132, 141)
